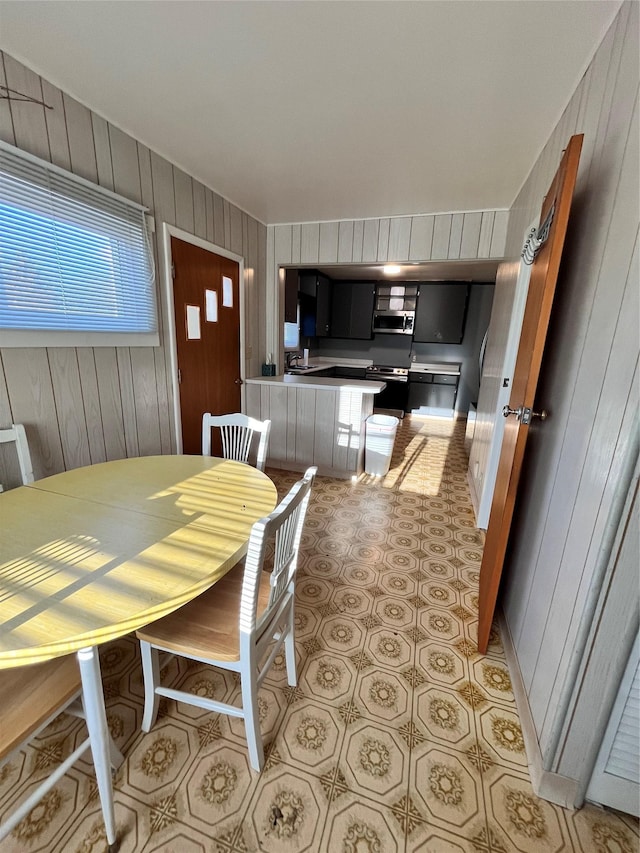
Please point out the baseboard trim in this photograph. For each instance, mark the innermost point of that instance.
(558, 789)
(474, 497)
(300, 467)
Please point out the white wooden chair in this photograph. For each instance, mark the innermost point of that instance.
(32, 697)
(237, 433)
(17, 434)
(232, 624)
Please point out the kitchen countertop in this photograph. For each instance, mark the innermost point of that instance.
(320, 363)
(306, 379)
(451, 368)
(321, 383)
(446, 367)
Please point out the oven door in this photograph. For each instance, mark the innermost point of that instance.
(393, 322)
(394, 396)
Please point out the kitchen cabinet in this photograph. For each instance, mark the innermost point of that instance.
(352, 309)
(291, 277)
(433, 390)
(441, 312)
(343, 372)
(328, 372)
(315, 304)
(335, 372)
(396, 297)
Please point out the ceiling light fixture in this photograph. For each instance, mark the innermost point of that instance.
(392, 269)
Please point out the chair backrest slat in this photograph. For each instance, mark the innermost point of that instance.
(237, 432)
(285, 553)
(284, 525)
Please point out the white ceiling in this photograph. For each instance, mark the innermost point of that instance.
(307, 111)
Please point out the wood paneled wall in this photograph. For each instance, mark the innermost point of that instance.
(82, 405)
(589, 383)
(444, 236)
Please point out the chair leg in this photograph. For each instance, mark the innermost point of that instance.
(96, 719)
(151, 674)
(116, 757)
(290, 645)
(290, 655)
(251, 718)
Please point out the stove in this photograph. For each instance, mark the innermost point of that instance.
(395, 396)
(388, 374)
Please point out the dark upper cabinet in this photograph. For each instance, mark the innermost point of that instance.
(315, 304)
(352, 309)
(341, 309)
(441, 312)
(337, 309)
(323, 307)
(291, 296)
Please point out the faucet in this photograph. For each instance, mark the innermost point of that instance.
(290, 357)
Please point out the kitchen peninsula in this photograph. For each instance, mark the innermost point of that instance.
(315, 420)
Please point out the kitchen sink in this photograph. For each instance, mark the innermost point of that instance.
(302, 367)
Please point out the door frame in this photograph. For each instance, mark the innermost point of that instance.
(166, 233)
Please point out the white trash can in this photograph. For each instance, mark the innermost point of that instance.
(380, 433)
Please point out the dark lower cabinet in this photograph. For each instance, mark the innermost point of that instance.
(393, 396)
(433, 390)
(431, 396)
(327, 372)
(344, 372)
(441, 312)
(352, 309)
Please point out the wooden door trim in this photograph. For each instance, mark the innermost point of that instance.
(166, 233)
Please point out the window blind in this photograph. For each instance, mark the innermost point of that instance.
(73, 256)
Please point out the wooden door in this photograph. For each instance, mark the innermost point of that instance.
(542, 285)
(205, 300)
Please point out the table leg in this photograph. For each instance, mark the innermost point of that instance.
(96, 719)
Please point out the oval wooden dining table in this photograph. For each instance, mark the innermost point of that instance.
(94, 553)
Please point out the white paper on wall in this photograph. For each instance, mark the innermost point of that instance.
(193, 323)
(211, 305)
(227, 292)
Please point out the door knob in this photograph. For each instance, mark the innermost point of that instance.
(524, 414)
(542, 415)
(506, 411)
(237, 381)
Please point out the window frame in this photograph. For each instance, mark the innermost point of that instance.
(34, 337)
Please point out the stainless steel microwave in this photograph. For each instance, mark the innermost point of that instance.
(393, 322)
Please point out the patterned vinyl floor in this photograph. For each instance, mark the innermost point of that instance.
(398, 737)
